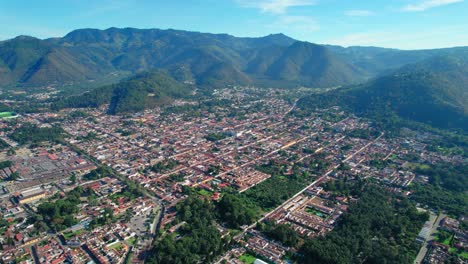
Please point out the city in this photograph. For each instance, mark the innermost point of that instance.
(110, 187)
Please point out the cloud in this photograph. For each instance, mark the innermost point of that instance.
(428, 4)
(359, 13)
(274, 6)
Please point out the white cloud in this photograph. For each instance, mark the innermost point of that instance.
(274, 6)
(428, 4)
(359, 13)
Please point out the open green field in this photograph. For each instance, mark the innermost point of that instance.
(464, 255)
(247, 259)
(132, 240)
(6, 114)
(68, 235)
(205, 192)
(116, 246)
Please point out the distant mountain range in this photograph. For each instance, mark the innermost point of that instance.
(91, 56)
(434, 92)
(427, 86)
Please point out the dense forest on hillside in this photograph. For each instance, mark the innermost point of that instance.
(86, 57)
(429, 92)
(379, 228)
(135, 94)
(446, 189)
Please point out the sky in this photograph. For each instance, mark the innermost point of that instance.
(403, 24)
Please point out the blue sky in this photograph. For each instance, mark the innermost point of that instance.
(405, 24)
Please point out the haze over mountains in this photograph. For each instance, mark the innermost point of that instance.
(428, 86)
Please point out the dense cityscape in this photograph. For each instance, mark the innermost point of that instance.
(240, 177)
(234, 132)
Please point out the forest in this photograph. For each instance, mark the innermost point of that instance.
(446, 189)
(59, 214)
(199, 241)
(30, 133)
(379, 228)
(100, 172)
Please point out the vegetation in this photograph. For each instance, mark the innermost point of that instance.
(131, 191)
(446, 189)
(430, 92)
(164, 166)
(3, 144)
(200, 240)
(446, 175)
(14, 176)
(59, 214)
(262, 196)
(455, 203)
(106, 217)
(100, 172)
(379, 227)
(5, 164)
(282, 233)
(363, 133)
(209, 60)
(142, 91)
(29, 133)
(215, 136)
(247, 259)
(235, 211)
(145, 91)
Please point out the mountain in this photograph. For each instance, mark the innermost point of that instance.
(306, 63)
(434, 92)
(87, 56)
(375, 61)
(145, 90)
(28, 61)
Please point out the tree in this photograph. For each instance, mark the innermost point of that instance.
(73, 178)
(236, 212)
(14, 176)
(381, 226)
(282, 233)
(11, 152)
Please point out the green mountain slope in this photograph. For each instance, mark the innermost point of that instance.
(145, 90)
(377, 61)
(303, 62)
(434, 92)
(88, 55)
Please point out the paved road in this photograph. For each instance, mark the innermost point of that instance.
(424, 248)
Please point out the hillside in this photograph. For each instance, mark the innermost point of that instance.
(375, 61)
(142, 91)
(303, 63)
(433, 92)
(89, 55)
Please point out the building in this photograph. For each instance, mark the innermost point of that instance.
(31, 195)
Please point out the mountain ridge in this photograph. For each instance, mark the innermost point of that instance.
(433, 92)
(86, 55)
